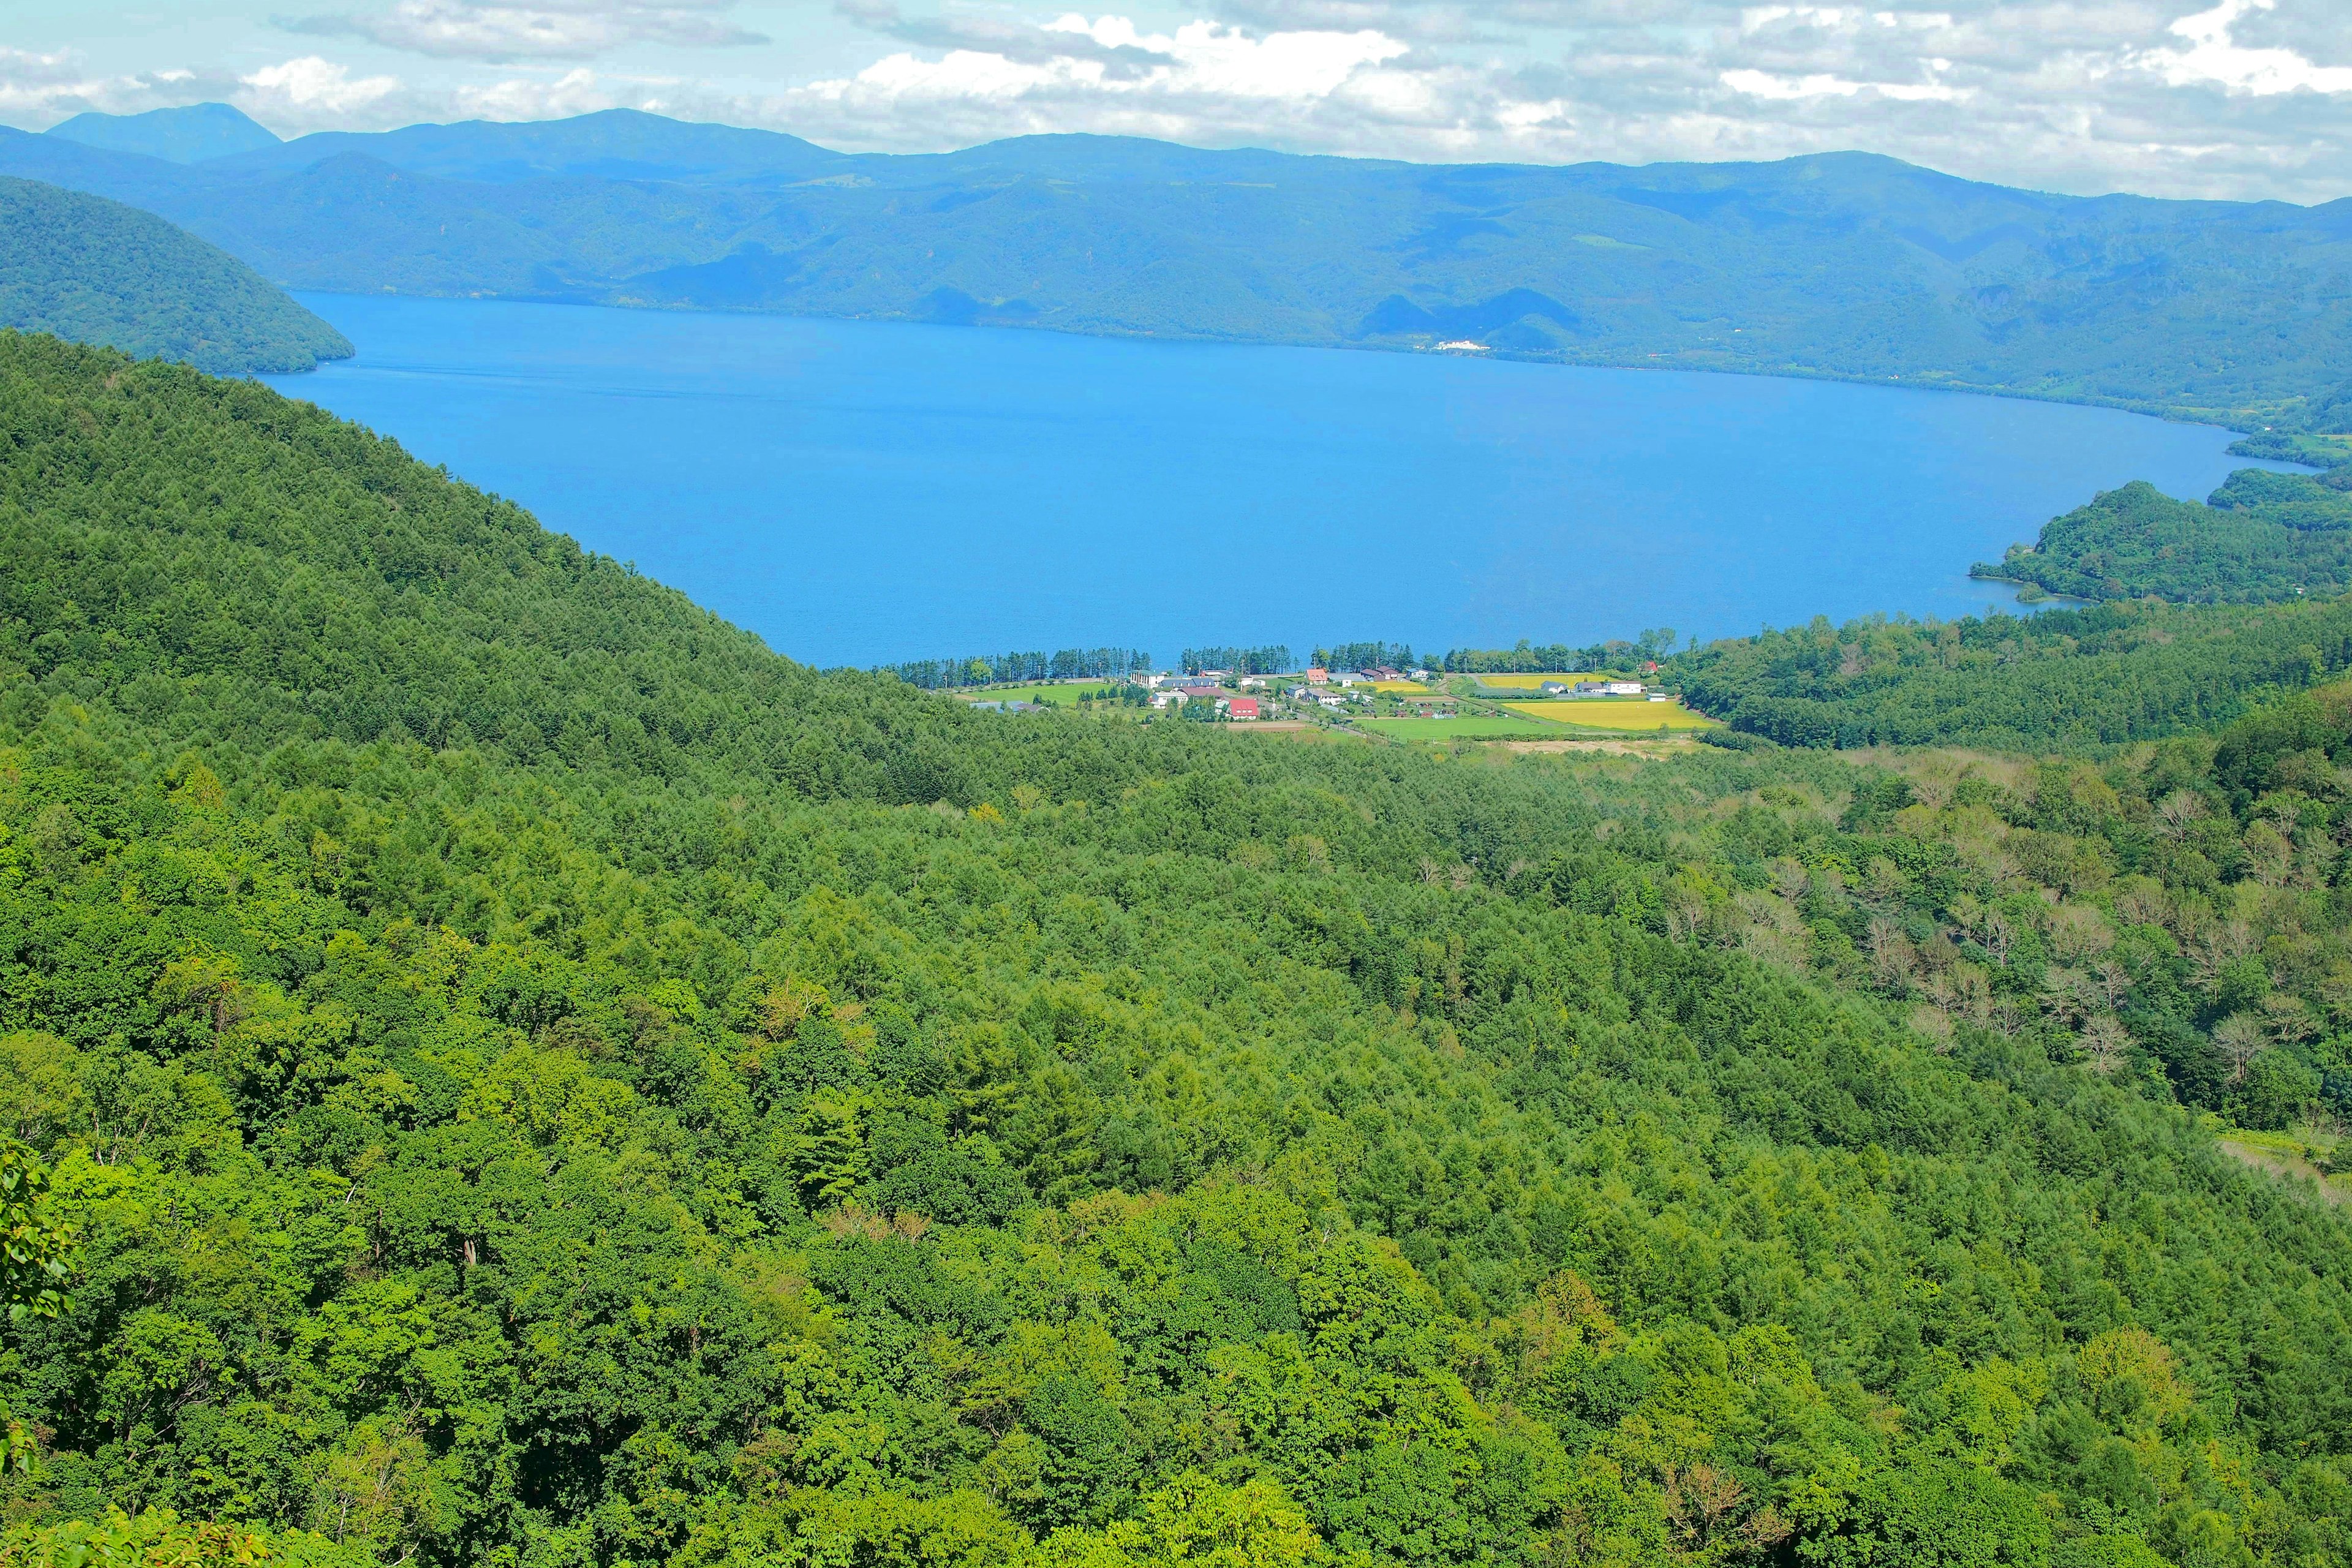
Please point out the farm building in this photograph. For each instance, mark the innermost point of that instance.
(1243, 707)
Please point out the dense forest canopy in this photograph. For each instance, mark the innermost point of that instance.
(533, 1078)
(2264, 535)
(2090, 677)
(1841, 265)
(96, 271)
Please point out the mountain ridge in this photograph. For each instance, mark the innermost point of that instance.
(187, 135)
(1849, 264)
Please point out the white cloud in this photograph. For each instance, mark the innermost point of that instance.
(2214, 58)
(555, 30)
(1762, 84)
(576, 91)
(310, 86)
(1202, 60)
(1201, 81)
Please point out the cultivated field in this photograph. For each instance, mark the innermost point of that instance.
(1061, 696)
(1614, 713)
(1524, 682)
(1470, 727)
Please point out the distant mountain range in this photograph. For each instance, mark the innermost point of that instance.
(183, 135)
(96, 271)
(1846, 264)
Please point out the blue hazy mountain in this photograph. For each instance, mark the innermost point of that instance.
(96, 271)
(187, 135)
(1843, 264)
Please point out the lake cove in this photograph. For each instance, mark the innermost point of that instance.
(859, 493)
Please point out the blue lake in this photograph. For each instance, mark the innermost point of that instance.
(858, 493)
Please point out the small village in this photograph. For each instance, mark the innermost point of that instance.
(1416, 704)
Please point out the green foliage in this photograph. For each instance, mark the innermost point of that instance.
(35, 1255)
(158, 1538)
(1614, 654)
(541, 1080)
(2101, 676)
(1938, 1516)
(95, 271)
(2262, 536)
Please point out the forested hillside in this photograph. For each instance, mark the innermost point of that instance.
(1843, 264)
(533, 1078)
(96, 271)
(2262, 536)
(2090, 677)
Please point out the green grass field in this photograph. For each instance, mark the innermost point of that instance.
(1632, 713)
(1060, 695)
(1525, 683)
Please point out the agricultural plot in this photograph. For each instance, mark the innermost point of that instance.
(1614, 713)
(1470, 727)
(1060, 695)
(1524, 682)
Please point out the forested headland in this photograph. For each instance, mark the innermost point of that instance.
(95, 271)
(526, 1075)
(2262, 536)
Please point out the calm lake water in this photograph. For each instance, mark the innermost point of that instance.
(858, 493)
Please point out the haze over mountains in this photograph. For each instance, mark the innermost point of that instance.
(1846, 264)
(187, 135)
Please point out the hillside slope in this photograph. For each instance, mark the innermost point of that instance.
(2096, 677)
(96, 271)
(1843, 264)
(539, 1079)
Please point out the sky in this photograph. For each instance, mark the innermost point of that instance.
(2230, 99)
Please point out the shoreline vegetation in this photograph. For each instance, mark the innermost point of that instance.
(2262, 536)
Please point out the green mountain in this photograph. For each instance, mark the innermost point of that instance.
(96, 271)
(1845, 265)
(2262, 536)
(187, 135)
(529, 1076)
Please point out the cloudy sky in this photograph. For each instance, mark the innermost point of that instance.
(2218, 98)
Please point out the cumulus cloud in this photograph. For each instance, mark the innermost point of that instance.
(551, 29)
(1203, 80)
(2213, 54)
(1021, 42)
(2066, 94)
(310, 87)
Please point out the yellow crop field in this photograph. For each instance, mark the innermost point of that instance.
(1615, 713)
(1412, 686)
